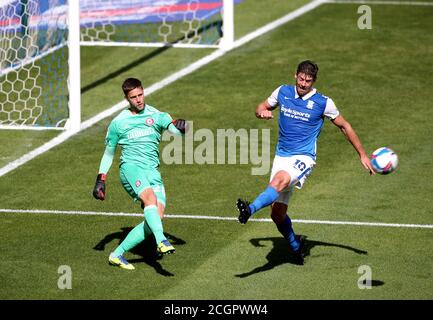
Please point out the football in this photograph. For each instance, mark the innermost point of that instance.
(384, 160)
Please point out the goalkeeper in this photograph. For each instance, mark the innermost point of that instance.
(138, 130)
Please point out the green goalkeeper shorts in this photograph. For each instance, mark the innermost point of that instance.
(136, 179)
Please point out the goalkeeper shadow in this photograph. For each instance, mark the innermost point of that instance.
(146, 250)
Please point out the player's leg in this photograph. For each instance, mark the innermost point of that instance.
(134, 237)
(161, 209)
(282, 220)
(129, 175)
(278, 182)
(163, 245)
(137, 183)
(280, 179)
(151, 214)
(284, 224)
(299, 167)
(161, 200)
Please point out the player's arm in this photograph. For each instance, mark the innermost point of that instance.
(107, 159)
(104, 167)
(264, 109)
(178, 127)
(351, 135)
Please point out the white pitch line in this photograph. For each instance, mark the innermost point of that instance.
(199, 217)
(395, 3)
(159, 85)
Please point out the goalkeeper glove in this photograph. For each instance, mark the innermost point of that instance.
(180, 125)
(99, 189)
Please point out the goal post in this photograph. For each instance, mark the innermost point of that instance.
(228, 37)
(40, 41)
(74, 83)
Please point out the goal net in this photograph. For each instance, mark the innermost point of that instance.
(33, 63)
(40, 40)
(151, 23)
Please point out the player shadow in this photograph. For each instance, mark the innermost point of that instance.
(146, 249)
(373, 283)
(279, 253)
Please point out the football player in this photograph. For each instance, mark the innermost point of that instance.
(301, 117)
(138, 130)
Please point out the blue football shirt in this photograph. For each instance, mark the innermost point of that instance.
(300, 120)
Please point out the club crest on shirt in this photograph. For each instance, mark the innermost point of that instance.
(137, 183)
(150, 121)
(310, 104)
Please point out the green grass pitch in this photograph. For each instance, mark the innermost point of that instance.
(378, 78)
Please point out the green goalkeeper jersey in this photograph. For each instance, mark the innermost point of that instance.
(138, 135)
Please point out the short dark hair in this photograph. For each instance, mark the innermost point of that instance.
(308, 67)
(130, 84)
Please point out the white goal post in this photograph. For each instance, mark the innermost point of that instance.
(40, 41)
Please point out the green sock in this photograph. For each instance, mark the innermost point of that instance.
(134, 237)
(154, 222)
(147, 231)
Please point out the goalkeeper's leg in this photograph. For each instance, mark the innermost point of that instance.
(134, 237)
(153, 219)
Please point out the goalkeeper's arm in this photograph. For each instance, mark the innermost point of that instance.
(178, 127)
(106, 161)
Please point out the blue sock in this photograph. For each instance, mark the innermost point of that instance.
(287, 231)
(266, 198)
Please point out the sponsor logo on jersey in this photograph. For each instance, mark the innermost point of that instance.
(138, 133)
(295, 114)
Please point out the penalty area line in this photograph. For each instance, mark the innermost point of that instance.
(199, 217)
